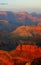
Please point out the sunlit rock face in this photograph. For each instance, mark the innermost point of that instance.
(29, 63)
(26, 30)
(25, 52)
(5, 58)
(28, 34)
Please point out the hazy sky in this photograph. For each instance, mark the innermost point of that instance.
(16, 5)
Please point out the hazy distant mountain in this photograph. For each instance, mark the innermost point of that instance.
(35, 14)
(10, 21)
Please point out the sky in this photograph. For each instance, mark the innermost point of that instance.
(19, 5)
